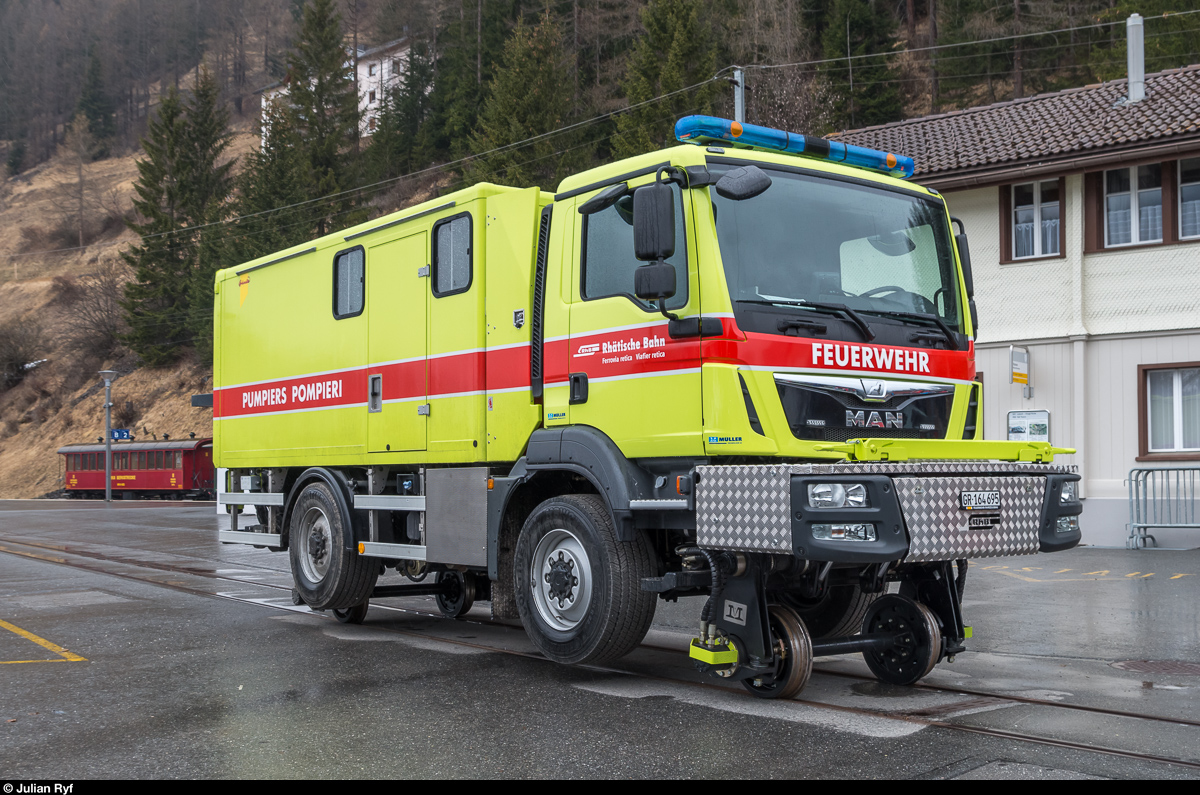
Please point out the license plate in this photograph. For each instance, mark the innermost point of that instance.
(984, 522)
(979, 500)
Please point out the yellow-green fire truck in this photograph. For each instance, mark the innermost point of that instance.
(742, 367)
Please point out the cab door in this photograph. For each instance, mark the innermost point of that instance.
(397, 381)
(627, 376)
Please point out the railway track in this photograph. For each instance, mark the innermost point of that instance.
(164, 573)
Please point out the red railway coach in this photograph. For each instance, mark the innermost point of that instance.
(163, 470)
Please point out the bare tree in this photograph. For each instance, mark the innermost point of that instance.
(93, 322)
(76, 194)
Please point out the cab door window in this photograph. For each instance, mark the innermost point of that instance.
(608, 260)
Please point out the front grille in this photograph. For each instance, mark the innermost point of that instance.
(821, 416)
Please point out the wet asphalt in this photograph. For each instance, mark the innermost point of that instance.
(133, 645)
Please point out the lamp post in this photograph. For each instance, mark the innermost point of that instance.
(108, 376)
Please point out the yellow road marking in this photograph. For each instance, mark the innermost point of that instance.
(21, 662)
(1177, 576)
(1063, 571)
(1102, 572)
(45, 644)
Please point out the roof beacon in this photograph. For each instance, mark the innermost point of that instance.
(709, 129)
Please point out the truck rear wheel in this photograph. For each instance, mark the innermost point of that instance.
(327, 575)
(578, 587)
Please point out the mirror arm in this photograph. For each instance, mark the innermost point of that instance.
(662, 307)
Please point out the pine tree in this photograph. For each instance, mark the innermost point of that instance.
(875, 97)
(321, 93)
(156, 300)
(206, 199)
(527, 98)
(676, 52)
(275, 179)
(395, 143)
(96, 105)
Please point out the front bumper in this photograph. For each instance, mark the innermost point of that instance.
(915, 508)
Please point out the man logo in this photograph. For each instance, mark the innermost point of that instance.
(875, 390)
(886, 419)
(735, 613)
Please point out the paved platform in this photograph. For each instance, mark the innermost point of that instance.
(134, 645)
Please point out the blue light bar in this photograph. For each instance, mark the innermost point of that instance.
(709, 129)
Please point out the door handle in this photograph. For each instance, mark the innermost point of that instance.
(579, 388)
(375, 393)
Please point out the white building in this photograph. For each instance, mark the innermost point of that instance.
(1082, 208)
(379, 71)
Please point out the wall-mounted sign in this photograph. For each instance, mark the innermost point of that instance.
(121, 433)
(1019, 358)
(1029, 426)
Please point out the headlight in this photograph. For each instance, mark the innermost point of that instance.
(837, 495)
(1068, 492)
(1067, 524)
(844, 532)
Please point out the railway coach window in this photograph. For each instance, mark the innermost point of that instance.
(348, 270)
(452, 255)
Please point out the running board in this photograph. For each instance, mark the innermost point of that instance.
(389, 502)
(272, 540)
(249, 498)
(376, 549)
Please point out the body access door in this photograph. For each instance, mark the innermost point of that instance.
(627, 376)
(397, 309)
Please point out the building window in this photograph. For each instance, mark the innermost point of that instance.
(1035, 218)
(371, 96)
(1189, 198)
(395, 66)
(371, 124)
(1133, 205)
(1169, 409)
(371, 70)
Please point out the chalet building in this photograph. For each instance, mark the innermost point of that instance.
(1082, 208)
(379, 71)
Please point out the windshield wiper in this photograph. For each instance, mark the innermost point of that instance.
(951, 337)
(820, 306)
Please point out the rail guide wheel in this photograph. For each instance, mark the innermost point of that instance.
(794, 656)
(918, 639)
(352, 615)
(459, 595)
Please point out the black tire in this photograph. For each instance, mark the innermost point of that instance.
(352, 615)
(603, 613)
(793, 645)
(461, 595)
(327, 575)
(840, 612)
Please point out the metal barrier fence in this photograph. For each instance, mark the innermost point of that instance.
(1161, 497)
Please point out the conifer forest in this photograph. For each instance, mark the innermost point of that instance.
(509, 91)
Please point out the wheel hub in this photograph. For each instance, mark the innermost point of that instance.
(561, 578)
(560, 575)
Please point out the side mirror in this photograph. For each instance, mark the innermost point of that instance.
(964, 256)
(654, 222)
(604, 199)
(654, 281)
(742, 183)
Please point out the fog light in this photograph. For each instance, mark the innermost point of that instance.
(1068, 492)
(1067, 524)
(837, 495)
(844, 532)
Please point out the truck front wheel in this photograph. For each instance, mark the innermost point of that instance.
(578, 587)
(327, 575)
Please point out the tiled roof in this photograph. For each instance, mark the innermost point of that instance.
(1063, 125)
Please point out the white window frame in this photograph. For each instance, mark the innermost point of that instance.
(1135, 226)
(1179, 209)
(1037, 220)
(1176, 408)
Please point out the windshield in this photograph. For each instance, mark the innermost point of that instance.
(813, 239)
